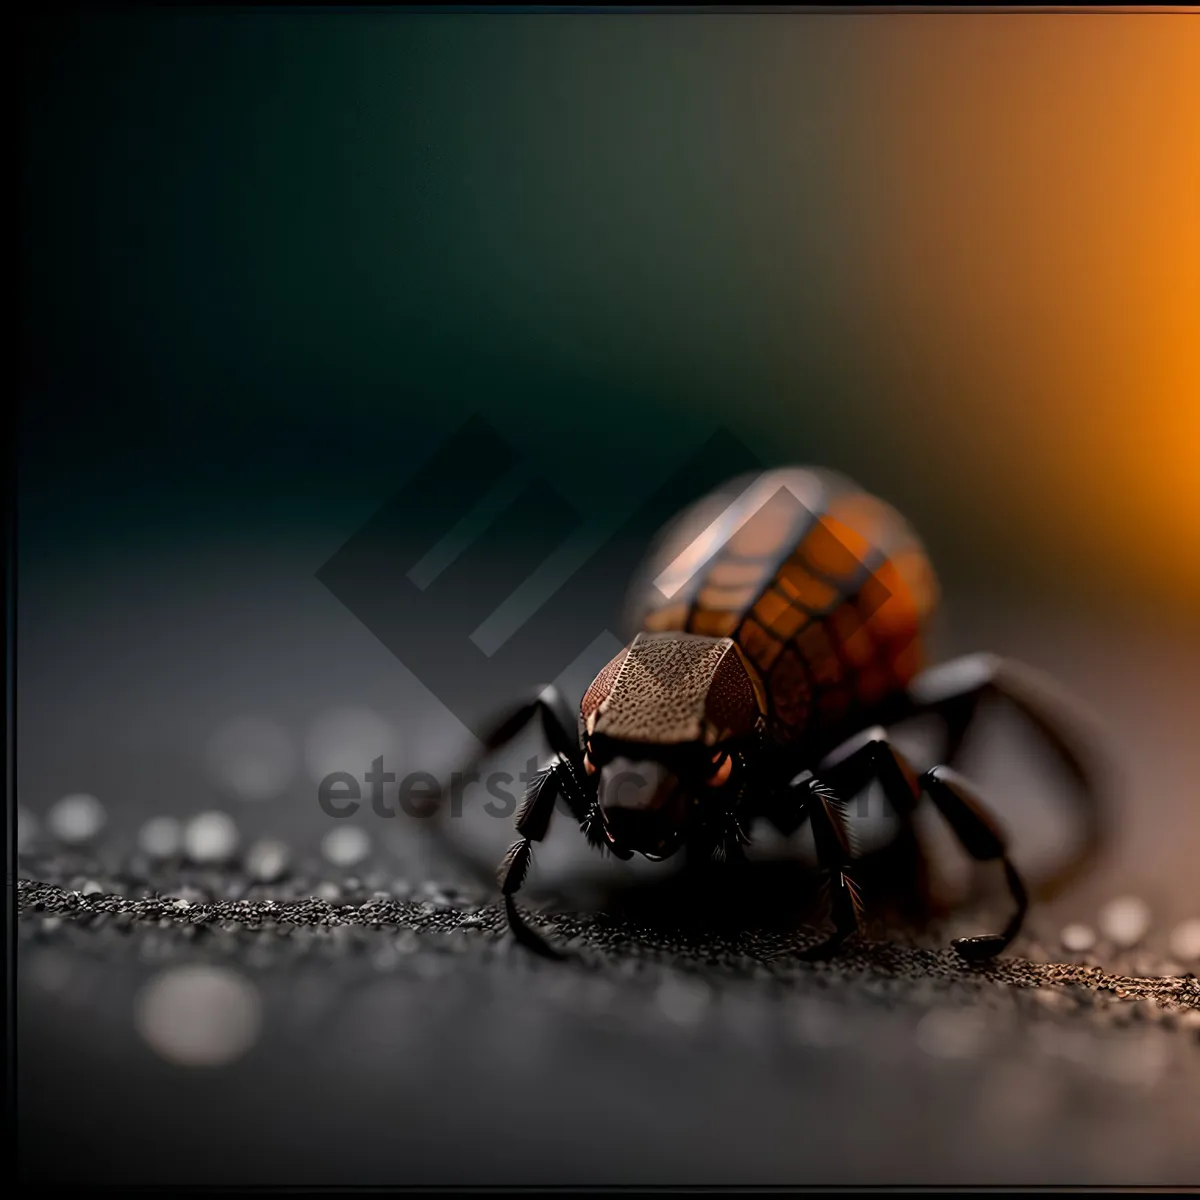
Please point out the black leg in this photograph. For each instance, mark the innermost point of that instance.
(818, 802)
(954, 691)
(983, 840)
(867, 757)
(849, 769)
(846, 773)
(871, 756)
(562, 778)
(557, 723)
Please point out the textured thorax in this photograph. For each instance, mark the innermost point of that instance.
(669, 689)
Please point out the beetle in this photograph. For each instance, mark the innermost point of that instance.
(779, 629)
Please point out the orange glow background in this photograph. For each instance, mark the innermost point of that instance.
(1035, 277)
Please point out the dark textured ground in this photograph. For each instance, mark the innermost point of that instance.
(384, 1033)
(408, 1040)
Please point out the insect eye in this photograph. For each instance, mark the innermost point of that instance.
(722, 769)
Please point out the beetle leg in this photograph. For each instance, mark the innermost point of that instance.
(981, 837)
(834, 851)
(871, 756)
(954, 690)
(557, 724)
(561, 778)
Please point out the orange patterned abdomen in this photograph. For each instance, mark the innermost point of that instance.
(825, 589)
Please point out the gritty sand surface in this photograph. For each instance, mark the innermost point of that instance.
(408, 1040)
(361, 1019)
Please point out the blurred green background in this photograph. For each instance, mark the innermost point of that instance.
(270, 258)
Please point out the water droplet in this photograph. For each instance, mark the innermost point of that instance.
(76, 818)
(199, 1016)
(267, 860)
(161, 837)
(1185, 939)
(1125, 920)
(346, 845)
(253, 757)
(211, 837)
(1077, 938)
